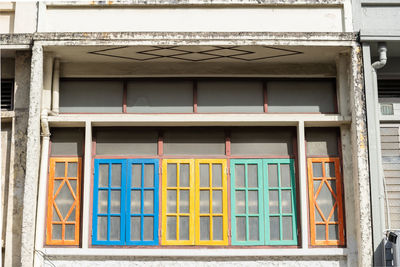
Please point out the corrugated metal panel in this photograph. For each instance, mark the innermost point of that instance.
(7, 94)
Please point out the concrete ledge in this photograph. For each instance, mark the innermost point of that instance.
(7, 115)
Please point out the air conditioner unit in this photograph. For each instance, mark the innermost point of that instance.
(392, 248)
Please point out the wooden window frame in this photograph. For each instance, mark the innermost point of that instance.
(338, 195)
(51, 200)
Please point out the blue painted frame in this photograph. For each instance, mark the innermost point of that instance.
(96, 190)
(155, 189)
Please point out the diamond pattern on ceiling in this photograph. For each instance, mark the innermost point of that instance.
(196, 53)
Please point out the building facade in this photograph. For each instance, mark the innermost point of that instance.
(185, 132)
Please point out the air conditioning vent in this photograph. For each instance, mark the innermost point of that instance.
(387, 109)
(389, 88)
(7, 94)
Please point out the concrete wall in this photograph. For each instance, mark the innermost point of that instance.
(5, 172)
(380, 18)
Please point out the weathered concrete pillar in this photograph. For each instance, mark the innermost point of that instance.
(13, 225)
(32, 158)
(360, 160)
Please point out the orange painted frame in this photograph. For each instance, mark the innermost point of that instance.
(51, 200)
(338, 203)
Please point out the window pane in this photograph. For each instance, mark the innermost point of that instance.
(322, 141)
(67, 142)
(56, 218)
(148, 231)
(171, 201)
(274, 202)
(171, 174)
(184, 175)
(204, 228)
(287, 228)
(135, 201)
(317, 169)
(57, 184)
(272, 175)
(253, 228)
(102, 228)
(217, 228)
(115, 201)
(70, 232)
(171, 228)
(217, 201)
(135, 228)
(286, 198)
(184, 201)
(217, 175)
(72, 170)
(64, 200)
(148, 202)
(320, 232)
(252, 175)
(253, 201)
(115, 228)
(73, 184)
(60, 169)
(136, 175)
(240, 202)
(330, 169)
(148, 175)
(239, 175)
(204, 175)
(241, 228)
(56, 232)
(333, 232)
(204, 201)
(274, 228)
(116, 175)
(183, 227)
(325, 200)
(103, 175)
(285, 175)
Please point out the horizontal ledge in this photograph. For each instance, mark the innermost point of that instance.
(194, 252)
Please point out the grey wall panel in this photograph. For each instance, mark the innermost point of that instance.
(230, 96)
(160, 97)
(194, 141)
(67, 141)
(301, 96)
(126, 141)
(275, 141)
(322, 142)
(91, 96)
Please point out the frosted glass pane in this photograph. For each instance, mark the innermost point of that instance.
(316, 183)
(239, 175)
(317, 169)
(64, 200)
(70, 232)
(72, 169)
(204, 228)
(136, 175)
(252, 175)
(71, 217)
(285, 175)
(103, 201)
(320, 232)
(57, 184)
(254, 228)
(148, 175)
(148, 202)
(332, 183)
(217, 175)
(171, 201)
(171, 228)
(240, 202)
(56, 218)
(184, 201)
(102, 228)
(135, 228)
(333, 231)
(217, 201)
(217, 228)
(204, 201)
(274, 202)
(115, 228)
(325, 200)
(56, 233)
(116, 175)
(204, 175)
(184, 172)
(287, 228)
(274, 228)
(318, 217)
(148, 231)
(252, 196)
(286, 199)
(135, 201)
(272, 175)
(115, 201)
(60, 169)
(171, 174)
(103, 175)
(73, 184)
(330, 169)
(241, 228)
(184, 228)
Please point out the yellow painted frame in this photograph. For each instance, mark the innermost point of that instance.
(164, 213)
(224, 214)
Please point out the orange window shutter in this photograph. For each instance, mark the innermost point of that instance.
(326, 201)
(63, 204)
